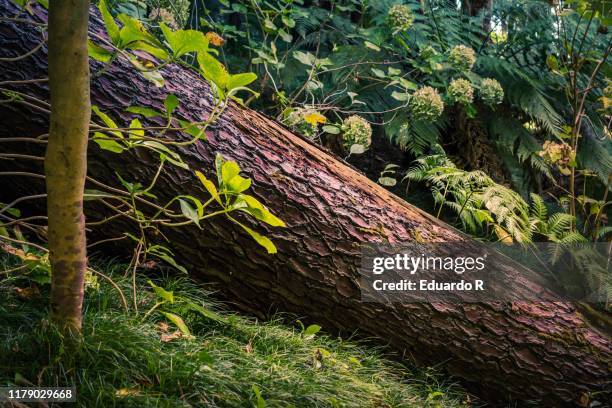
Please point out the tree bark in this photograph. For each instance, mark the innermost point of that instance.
(66, 158)
(544, 351)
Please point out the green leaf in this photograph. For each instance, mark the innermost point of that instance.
(98, 53)
(189, 212)
(209, 186)
(229, 170)
(240, 80)
(257, 210)
(371, 46)
(193, 129)
(178, 322)
(106, 143)
(107, 121)
(261, 403)
(162, 293)
(285, 36)
(400, 96)
(379, 73)
(305, 58)
(312, 330)
(182, 42)
(136, 130)
(288, 21)
(112, 29)
(133, 31)
(213, 70)
(357, 149)
(144, 111)
(238, 184)
(154, 50)
(334, 130)
(171, 102)
(260, 239)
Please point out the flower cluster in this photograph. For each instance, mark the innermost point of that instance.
(356, 130)
(462, 58)
(491, 92)
(426, 104)
(165, 16)
(400, 18)
(559, 154)
(461, 91)
(304, 121)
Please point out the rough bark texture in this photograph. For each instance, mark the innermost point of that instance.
(66, 158)
(544, 351)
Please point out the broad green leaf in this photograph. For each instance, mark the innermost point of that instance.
(107, 121)
(305, 58)
(182, 42)
(193, 129)
(162, 293)
(240, 80)
(260, 239)
(171, 102)
(136, 131)
(189, 212)
(144, 111)
(106, 143)
(379, 73)
(154, 50)
(98, 53)
(238, 184)
(209, 186)
(285, 36)
(288, 21)
(334, 130)
(312, 330)
(109, 23)
(178, 322)
(357, 149)
(133, 30)
(371, 46)
(213, 70)
(258, 210)
(400, 96)
(229, 170)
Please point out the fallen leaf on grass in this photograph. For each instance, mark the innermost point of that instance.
(166, 338)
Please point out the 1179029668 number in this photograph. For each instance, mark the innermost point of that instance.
(34, 394)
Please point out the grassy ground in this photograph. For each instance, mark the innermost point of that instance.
(226, 360)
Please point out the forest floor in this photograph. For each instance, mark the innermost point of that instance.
(191, 351)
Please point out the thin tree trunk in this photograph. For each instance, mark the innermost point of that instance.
(546, 351)
(66, 157)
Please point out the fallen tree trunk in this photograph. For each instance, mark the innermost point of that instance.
(544, 351)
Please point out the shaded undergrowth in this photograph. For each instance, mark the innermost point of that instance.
(226, 360)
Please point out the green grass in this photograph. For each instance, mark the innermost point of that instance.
(123, 362)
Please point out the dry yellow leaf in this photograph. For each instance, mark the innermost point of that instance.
(314, 117)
